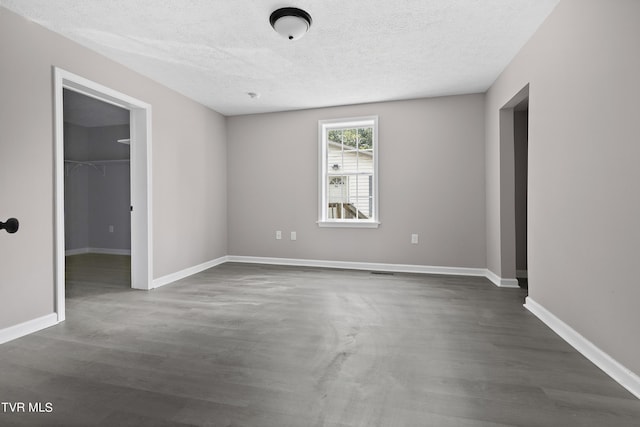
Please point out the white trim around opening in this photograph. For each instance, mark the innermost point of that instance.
(141, 216)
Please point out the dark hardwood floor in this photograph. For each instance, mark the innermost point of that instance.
(250, 345)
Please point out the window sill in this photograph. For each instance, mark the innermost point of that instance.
(348, 224)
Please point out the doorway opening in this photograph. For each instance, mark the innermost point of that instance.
(514, 142)
(97, 196)
(70, 159)
(521, 160)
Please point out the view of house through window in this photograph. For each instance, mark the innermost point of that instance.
(348, 170)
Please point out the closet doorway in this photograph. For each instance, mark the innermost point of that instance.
(114, 174)
(514, 176)
(97, 196)
(521, 169)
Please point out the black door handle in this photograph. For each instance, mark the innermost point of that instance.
(11, 225)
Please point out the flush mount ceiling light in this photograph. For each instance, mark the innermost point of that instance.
(290, 22)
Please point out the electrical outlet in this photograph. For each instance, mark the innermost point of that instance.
(278, 235)
(111, 228)
(293, 235)
(414, 239)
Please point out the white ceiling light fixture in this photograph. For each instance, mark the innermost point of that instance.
(290, 22)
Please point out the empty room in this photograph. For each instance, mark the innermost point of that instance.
(319, 213)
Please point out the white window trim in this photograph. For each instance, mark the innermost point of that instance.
(323, 127)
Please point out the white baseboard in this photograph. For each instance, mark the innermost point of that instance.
(28, 327)
(348, 265)
(373, 266)
(500, 282)
(106, 251)
(396, 268)
(170, 278)
(625, 377)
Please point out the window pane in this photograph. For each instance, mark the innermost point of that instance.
(362, 196)
(335, 136)
(349, 138)
(350, 162)
(365, 162)
(336, 196)
(365, 138)
(349, 197)
(337, 189)
(334, 159)
(334, 210)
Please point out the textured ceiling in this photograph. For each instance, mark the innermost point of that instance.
(216, 51)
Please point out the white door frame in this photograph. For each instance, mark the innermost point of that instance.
(140, 136)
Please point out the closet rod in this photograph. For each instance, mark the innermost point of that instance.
(76, 164)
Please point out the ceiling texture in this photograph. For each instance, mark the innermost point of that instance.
(356, 51)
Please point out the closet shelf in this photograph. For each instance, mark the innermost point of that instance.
(99, 165)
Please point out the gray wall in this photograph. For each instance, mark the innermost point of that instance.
(431, 179)
(76, 208)
(94, 201)
(104, 145)
(582, 67)
(76, 187)
(109, 195)
(109, 201)
(188, 165)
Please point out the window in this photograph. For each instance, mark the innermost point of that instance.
(348, 184)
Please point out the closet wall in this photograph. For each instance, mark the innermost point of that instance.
(97, 190)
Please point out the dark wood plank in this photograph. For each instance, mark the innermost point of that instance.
(253, 345)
